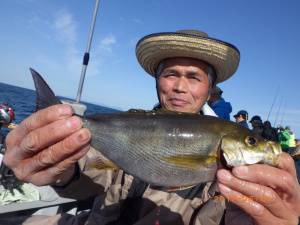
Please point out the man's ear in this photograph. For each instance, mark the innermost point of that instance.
(208, 97)
(157, 92)
(209, 93)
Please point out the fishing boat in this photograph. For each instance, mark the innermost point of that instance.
(45, 201)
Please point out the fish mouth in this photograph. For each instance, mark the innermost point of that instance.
(226, 159)
(223, 160)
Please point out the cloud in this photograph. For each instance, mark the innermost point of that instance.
(107, 42)
(131, 20)
(65, 33)
(138, 21)
(293, 111)
(65, 26)
(36, 24)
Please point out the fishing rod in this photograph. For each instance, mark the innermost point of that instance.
(86, 56)
(283, 113)
(77, 106)
(277, 114)
(275, 97)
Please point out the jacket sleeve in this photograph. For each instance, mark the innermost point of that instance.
(87, 182)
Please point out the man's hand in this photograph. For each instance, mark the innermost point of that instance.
(44, 148)
(268, 194)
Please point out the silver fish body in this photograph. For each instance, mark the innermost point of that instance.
(164, 148)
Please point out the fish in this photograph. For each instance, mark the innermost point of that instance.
(165, 148)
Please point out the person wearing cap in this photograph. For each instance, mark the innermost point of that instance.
(287, 139)
(7, 115)
(185, 65)
(257, 125)
(218, 104)
(269, 132)
(241, 118)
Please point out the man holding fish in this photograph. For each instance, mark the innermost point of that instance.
(52, 147)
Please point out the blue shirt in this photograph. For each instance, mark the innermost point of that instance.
(222, 108)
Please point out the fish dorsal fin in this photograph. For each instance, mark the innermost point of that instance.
(45, 97)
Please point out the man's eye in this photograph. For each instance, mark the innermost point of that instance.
(196, 78)
(168, 75)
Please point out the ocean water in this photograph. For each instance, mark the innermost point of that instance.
(22, 100)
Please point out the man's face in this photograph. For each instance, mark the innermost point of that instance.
(183, 85)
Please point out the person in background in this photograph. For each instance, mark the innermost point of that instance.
(269, 132)
(218, 104)
(287, 140)
(7, 115)
(257, 125)
(297, 160)
(241, 118)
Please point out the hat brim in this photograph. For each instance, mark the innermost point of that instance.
(152, 49)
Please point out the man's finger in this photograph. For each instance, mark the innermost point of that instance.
(53, 155)
(258, 193)
(37, 120)
(265, 174)
(40, 138)
(259, 213)
(52, 174)
(286, 163)
(48, 135)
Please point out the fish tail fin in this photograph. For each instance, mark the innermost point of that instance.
(45, 97)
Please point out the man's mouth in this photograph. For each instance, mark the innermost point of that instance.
(178, 102)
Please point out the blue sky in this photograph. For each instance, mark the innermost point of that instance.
(51, 36)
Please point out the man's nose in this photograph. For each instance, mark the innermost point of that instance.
(181, 85)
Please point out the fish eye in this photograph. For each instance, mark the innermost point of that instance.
(251, 141)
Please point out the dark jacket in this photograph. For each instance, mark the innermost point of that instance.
(270, 133)
(244, 123)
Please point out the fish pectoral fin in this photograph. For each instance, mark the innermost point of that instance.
(181, 188)
(101, 164)
(191, 161)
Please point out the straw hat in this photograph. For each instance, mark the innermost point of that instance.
(154, 48)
